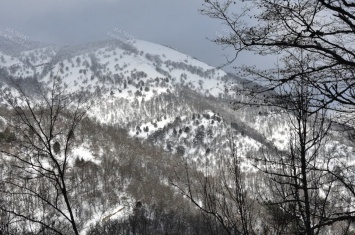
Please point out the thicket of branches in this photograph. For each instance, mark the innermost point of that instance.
(38, 156)
(310, 189)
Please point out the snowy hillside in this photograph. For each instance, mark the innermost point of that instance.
(142, 69)
(151, 109)
(156, 93)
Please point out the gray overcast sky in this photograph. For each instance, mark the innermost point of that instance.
(176, 23)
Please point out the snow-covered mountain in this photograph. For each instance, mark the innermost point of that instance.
(150, 103)
(143, 87)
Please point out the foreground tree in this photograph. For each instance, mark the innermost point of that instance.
(323, 30)
(302, 194)
(35, 190)
(220, 192)
(313, 42)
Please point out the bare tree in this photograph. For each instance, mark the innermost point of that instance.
(304, 185)
(313, 42)
(37, 160)
(322, 30)
(220, 192)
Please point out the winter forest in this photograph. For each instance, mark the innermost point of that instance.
(129, 137)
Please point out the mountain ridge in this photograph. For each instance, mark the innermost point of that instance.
(153, 111)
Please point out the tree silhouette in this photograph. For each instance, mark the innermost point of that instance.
(36, 179)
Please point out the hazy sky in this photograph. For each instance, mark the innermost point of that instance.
(176, 23)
